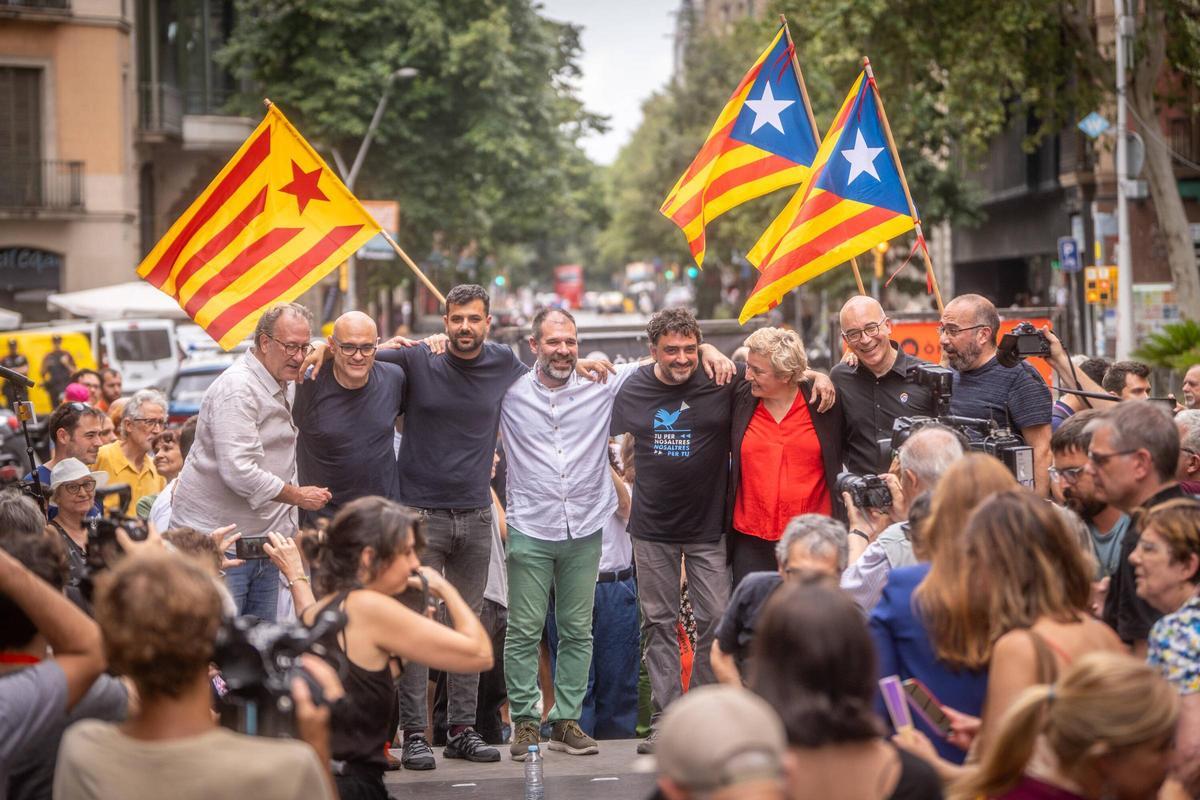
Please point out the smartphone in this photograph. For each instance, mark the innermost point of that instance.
(925, 704)
(251, 547)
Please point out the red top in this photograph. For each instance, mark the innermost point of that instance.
(782, 472)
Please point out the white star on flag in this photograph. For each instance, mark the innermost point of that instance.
(766, 110)
(861, 158)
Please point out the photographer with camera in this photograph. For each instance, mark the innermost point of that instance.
(369, 555)
(35, 698)
(1013, 396)
(880, 539)
(160, 613)
(877, 389)
(73, 492)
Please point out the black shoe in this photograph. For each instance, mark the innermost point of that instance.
(417, 754)
(471, 746)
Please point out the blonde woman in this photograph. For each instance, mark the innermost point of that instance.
(1103, 730)
(786, 451)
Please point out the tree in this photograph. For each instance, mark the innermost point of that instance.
(481, 148)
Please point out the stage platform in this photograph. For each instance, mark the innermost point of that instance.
(611, 774)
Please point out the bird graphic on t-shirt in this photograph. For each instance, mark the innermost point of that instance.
(666, 419)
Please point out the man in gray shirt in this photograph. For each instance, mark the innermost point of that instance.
(242, 466)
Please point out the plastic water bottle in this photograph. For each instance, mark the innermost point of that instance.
(535, 789)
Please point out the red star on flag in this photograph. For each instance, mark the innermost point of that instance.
(304, 186)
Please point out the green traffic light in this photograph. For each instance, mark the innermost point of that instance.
(669, 274)
(693, 272)
(501, 280)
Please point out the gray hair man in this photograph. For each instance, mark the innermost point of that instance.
(877, 547)
(1188, 472)
(242, 466)
(1132, 460)
(129, 459)
(813, 547)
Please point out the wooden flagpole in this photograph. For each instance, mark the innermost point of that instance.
(813, 123)
(912, 209)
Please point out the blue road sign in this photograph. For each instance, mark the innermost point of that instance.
(1068, 254)
(1094, 125)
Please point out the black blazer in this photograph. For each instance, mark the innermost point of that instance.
(829, 433)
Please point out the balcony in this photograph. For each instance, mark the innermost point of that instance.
(41, 185)
(160, 110)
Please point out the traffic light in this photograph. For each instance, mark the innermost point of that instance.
(669, 274)
(693, 272)
(1100, 284)
(500, 280)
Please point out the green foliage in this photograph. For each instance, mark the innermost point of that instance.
(481, 148)
(1176, 347)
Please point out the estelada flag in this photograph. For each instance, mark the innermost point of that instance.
(272, 223)
(764, 139)
(854, 200)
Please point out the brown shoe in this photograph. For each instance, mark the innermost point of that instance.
(567, 736)
(527, 732)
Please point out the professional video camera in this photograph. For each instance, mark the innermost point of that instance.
(258, 661)
(981, 435)
(866, 491)
(1020, 343)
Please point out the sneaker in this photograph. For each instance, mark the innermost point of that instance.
(471, 746)
(417, 754)
(647, 746)
(568, 737)
(525, 734)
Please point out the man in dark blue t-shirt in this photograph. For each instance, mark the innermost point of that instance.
(1015, 397)
(345, 418)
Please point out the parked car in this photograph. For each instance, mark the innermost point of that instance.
(189, 385)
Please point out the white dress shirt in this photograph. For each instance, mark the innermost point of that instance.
(556, 441)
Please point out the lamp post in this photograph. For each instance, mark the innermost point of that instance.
(351, 301)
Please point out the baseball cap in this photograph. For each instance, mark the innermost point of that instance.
(719, 736)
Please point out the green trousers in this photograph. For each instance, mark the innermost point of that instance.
(535, 567)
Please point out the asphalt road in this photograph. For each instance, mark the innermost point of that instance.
(612, 775)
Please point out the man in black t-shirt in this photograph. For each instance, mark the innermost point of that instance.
(1015, 397)
(345, 418)
(680, 421)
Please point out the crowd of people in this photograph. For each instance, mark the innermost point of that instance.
(508, 549)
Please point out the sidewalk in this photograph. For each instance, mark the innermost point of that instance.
(609, 775)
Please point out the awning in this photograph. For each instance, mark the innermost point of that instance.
(136, 299)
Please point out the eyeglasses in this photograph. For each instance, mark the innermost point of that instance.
(869, 330)
(151, 422)
(1100, 459)
(954, 330)
(349, 350)
(292, 349)
(83, 487)
(1070, 475)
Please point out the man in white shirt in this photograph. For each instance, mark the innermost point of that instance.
(560, 495)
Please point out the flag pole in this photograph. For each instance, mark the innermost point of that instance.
(912, 209)
(813, 124)
(416, 270)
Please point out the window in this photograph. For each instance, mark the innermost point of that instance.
(141, 345)
(20, 135)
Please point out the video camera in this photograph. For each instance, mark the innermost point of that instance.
(1020, 343)
(866, 491)
(258, 661)
(980, 435)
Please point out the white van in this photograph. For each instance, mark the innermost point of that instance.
(142, 350)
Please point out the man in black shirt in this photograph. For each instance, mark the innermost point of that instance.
(877, 390)
(345, 418)
(1132, 460)
(19, 364)
(680, 421)
(57, 367)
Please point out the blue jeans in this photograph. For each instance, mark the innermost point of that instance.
(610, 708)
(255, 588)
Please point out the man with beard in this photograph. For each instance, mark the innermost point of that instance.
(1191, 387)
(1013, 397)
(1074, 488)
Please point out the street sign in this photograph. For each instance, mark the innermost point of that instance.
(1068, 254)
(1094, 125)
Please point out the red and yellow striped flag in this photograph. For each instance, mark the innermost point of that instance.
(854, 200)
(272, 223)
(764, 139)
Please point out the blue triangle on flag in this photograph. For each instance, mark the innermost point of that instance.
(773, 117)
(861, 166)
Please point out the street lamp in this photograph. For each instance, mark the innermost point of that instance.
(401, 74)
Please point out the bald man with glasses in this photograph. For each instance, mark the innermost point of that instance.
(346, 418)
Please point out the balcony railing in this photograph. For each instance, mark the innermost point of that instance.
(35, 5)
(41, 185)
(161, 108)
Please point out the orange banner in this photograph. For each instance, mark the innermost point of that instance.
(920, 339)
